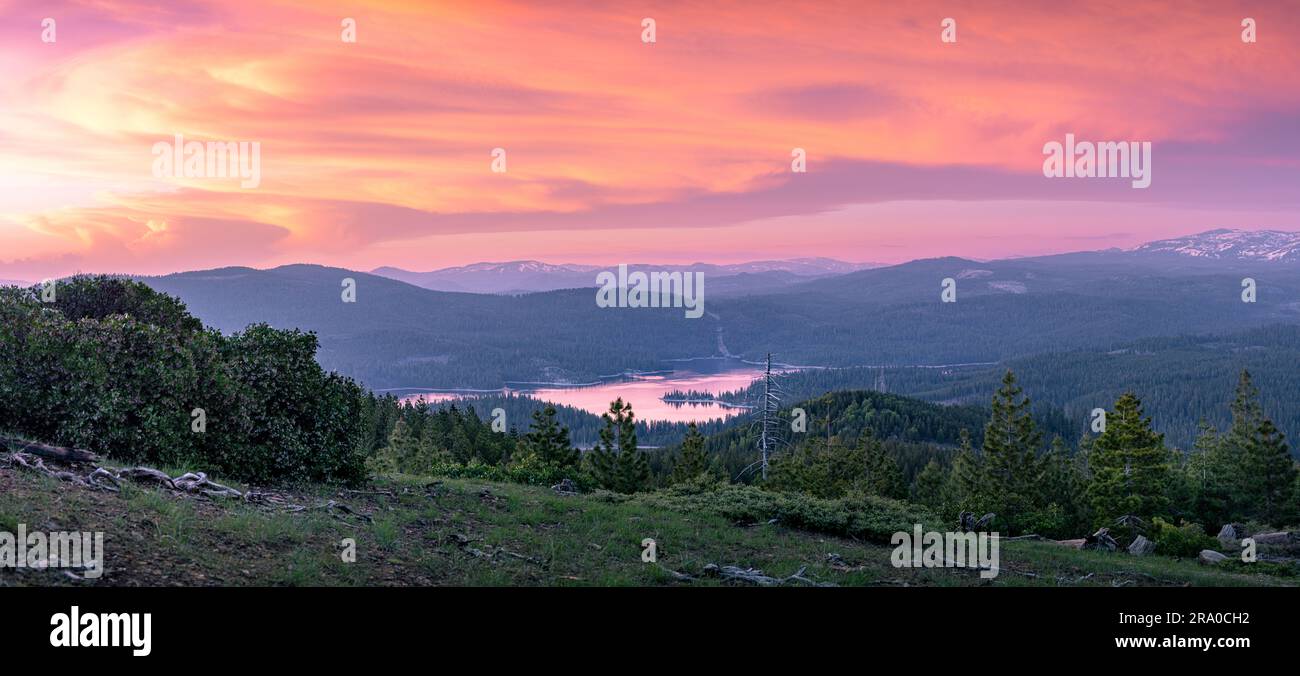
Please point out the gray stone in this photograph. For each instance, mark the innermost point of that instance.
(1210, 557)
(1271, 538)
(1141, 546)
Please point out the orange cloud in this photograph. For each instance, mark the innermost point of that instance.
(387, 140)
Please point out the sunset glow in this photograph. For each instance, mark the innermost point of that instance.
(378, 152)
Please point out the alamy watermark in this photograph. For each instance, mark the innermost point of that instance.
(75, 629)
(1104, 159)
(922, 549)
(659, 288)
(39, 550)
(213, 159)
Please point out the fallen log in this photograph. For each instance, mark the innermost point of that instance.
(195, 483)
(755, 576)
(198, 481)
(94, 480)
(48, 451)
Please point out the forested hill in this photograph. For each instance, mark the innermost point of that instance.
(398, 335)
(1181, 380)
(910, 428)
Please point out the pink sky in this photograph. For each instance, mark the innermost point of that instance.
(378, 152)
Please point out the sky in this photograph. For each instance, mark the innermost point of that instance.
(380, 151)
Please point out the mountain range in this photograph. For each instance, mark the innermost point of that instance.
(529, 276)
(515, 277)
(400, 335)
(1224, 244)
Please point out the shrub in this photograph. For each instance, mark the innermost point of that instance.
(855, 515)
(1187, 539)
(528, 474)
(116, 368)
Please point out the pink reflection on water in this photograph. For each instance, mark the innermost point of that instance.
(644, 392)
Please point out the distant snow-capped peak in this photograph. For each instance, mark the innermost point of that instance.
(1225, 244)
(536, 267)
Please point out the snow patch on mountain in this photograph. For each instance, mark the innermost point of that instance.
(1009, 287)
(1226, 244)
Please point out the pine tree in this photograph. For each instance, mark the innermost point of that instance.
(462, 448)
(961, 491)
(693, 462)
(1010, 462)
(883, 477)
(616, 462)
(432, 452)
(1254, 462)
(1055, 479)
(403, 446)
(1274, 476)
(548, 441)
(928, 486)
(1059, 492)
(1132, 470)
(1208, 474)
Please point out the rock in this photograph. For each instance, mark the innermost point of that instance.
(1072, 544)
(1141, 546)
(1210, 557)
(1272, 538)
(565, 487)
(1231, 533)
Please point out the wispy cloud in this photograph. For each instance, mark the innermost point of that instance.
(378, 152)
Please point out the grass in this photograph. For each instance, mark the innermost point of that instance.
(474, 532)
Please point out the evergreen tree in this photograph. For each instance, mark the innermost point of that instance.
(433, 452)
(548, 441)
(616, 462)
(693, 462)
(1255, 463)
(832, 471)
(462, 448)
(1056, 481)
(1059, 493)
(1132, 471)
(1273, 475)
(961, 491)
(883, 476)
(1210, 477)
(403, 447)
(1010, 462)
(928, 486)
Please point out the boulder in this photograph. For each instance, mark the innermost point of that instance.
(1141, 546)
(565, 487)
(1272, 538)
(1231, 533)
(1210, 557)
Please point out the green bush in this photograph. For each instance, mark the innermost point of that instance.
(1187, 539)
(531, 475)
(113, 367)
(1051, 521)
(857, 515)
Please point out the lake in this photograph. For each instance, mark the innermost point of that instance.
(644, 391)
